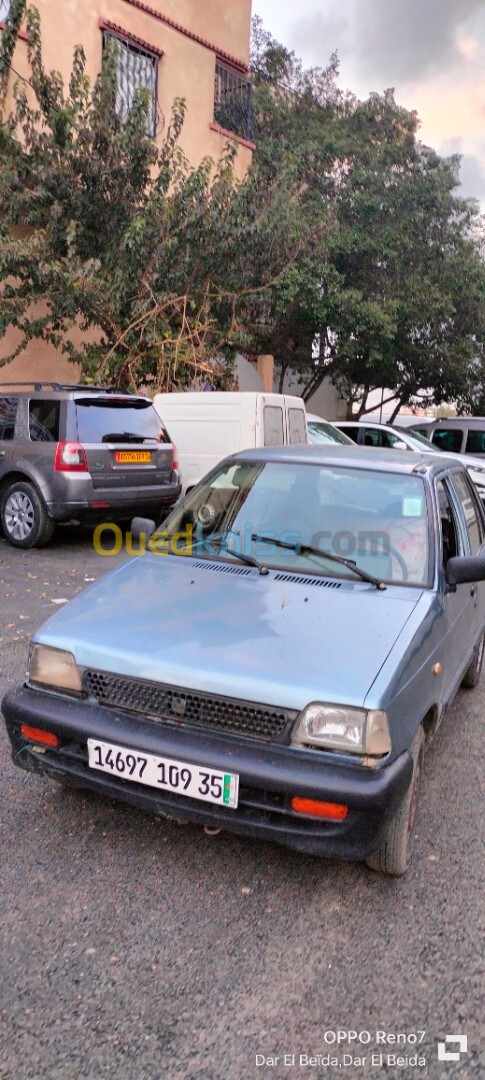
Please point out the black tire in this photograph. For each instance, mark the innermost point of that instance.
(471, 677)
(25, 521)
(394, 855)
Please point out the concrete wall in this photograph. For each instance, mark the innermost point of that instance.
(325, 402)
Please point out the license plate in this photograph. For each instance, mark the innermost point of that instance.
(194, 782)
(133, 457)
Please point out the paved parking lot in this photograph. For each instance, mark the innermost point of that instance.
(137, 949)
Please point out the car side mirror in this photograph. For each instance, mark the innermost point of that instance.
(399, 445)
(141, 525)
(463, 569)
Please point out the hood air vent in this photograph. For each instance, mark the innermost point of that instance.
(223, 568)
(321, 583)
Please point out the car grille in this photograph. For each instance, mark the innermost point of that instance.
(160, 702)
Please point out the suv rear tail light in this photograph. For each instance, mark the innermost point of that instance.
(175, 464)
(70, 457)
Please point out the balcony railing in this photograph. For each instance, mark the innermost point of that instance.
(233, 102)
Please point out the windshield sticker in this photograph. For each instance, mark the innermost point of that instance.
(412, 507)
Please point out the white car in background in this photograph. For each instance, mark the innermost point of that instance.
(393, 437)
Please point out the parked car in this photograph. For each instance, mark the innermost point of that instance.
(209, 426)
(461, 436)
(393, 437)
(323, 433)
(79, 453)
(254, 677)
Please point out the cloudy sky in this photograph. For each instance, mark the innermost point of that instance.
(431, 51)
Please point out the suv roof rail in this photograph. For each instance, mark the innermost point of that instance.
(38, 386)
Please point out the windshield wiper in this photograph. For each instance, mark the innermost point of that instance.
(249, 559)
(307, 549)
(126, 436)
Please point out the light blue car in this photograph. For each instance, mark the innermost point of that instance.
(278, 661)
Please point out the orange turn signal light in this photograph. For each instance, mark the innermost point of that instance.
(36, 735)
(332, 811)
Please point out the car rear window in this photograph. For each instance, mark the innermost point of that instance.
(475, 443)
(114, 421)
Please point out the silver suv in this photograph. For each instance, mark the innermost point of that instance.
(81, 454)
(459, 436)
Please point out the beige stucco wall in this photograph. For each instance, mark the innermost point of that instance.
(187, 70)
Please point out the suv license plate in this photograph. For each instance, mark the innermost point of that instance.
(133, 457)
(194, 782)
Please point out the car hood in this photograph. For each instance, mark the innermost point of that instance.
(221, 627)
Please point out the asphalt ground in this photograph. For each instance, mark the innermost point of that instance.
(138, 949)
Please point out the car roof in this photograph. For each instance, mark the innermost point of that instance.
(355, 457)
(366, 423)
(456, 421)
(65, 391)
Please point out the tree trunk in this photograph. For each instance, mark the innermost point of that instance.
(281, 384)
(395, 411)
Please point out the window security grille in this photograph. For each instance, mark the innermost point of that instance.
(136, 68)
(233, 104)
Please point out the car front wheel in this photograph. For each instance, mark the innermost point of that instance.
(25, 521)
(394, 855)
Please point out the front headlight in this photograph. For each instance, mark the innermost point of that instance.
(338, 727)
(54, 667)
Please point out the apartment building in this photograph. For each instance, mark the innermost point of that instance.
(192, 49)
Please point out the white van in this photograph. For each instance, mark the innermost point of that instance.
(207, 426)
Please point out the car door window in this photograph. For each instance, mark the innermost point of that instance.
(470, 511)
(371, 437)
(450, 535)
(475, 443)
(296, 426)
(448, 440)
(44, 421)
(8, 413)
(392, 441)
(351, 430)
(273, 425)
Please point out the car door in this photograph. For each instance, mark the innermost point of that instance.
(458, 612)
(296, 425)
(475, 539)
(8, 415)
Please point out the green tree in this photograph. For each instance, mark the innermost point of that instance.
(104, 234)
(390, 294)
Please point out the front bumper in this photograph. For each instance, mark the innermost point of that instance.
(270, 774)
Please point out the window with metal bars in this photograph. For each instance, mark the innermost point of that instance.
(233, 101)
(137, 68)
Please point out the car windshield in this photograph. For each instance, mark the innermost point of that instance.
(118, 420)
(266, 510)
(420, 440)
(322, 434)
